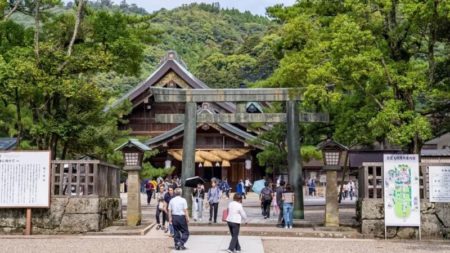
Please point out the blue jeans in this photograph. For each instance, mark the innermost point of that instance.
(288, 213)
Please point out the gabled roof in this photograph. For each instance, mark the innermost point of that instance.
(439, 139)
(435, 152)
(226, 126)
(133, 142)
(169, 63)
(156, 141)
(8, 143)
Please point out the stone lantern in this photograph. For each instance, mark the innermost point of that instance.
(133, 153)
(332, 153)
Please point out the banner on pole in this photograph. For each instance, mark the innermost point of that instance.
(401, 190)
(25, 179)
(439, 182)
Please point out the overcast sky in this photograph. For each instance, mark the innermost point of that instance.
(254, 6)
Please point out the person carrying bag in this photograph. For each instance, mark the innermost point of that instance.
(235, 214)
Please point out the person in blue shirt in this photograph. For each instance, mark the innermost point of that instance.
(225, 187)
(240, 188)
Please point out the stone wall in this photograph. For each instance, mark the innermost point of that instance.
(435, 219)
(65, 216)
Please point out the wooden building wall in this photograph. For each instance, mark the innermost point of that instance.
(141, 120)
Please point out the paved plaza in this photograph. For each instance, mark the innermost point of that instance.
(214, 238)
(210, 244)
(314, 211)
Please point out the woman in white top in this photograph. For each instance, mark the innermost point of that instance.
(236, 214)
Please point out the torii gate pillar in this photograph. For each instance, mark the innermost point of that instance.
(294, 158)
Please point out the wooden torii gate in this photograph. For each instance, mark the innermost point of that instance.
(190, 119)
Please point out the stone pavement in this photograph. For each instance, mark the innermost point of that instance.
(145, 244)
(314, 212)
(213, 244)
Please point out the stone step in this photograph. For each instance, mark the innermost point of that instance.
(280, 232)
(125, 230)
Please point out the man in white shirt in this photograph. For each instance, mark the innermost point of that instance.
(179, 218)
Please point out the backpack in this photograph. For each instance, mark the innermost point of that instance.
(266, 194)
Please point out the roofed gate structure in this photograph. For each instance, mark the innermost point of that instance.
(222, 149)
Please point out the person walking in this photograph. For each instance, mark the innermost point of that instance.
(214, 195)
(345, 190)
(199, 196)
(240, 188)
(236, 215)
(149, 190)
(279, 198)
(161, 209)
(351, 189)
(266, 199)
(167, 197)
(225, 187)
(179, 218)
(244, 193)
(288, 207)
(247, 184)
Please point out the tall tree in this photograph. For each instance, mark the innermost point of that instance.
(47, 73)
(372, 65)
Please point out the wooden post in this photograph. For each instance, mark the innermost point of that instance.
(28, 222)
(294, 158)
(189, 143)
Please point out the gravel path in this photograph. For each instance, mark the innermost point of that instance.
(312, 245)
(87, 245)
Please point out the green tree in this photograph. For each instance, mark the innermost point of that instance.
(49, 97)
(372, 65)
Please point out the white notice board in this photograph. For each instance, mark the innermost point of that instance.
(401, 190)
(439, 182)
(25, 179)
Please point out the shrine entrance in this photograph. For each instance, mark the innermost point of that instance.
(241, 96)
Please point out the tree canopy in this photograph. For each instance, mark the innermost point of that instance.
(380, 68)
(48, 98)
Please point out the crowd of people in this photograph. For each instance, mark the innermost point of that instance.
(172, 210)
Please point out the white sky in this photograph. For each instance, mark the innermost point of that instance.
(254, 6)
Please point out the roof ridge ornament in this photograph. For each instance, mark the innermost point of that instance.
(172, 55)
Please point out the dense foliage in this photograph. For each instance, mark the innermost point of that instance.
(48, 98)
(381, 68)
(60, 65)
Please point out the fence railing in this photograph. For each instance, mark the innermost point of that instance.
(84, 178)
(371, 180)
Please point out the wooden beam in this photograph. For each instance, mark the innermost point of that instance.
(242, 117)
(225, 95)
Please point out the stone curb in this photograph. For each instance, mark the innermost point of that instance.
(318, 234)
(131, 232)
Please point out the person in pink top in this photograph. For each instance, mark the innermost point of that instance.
(236, 215)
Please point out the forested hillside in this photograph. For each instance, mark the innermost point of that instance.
(223, 48)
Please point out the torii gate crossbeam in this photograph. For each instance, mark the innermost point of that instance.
(292, 118)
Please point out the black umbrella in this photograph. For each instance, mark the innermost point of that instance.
(193, 181)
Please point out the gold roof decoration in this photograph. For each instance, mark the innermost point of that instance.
(208, 156)
(212, 156)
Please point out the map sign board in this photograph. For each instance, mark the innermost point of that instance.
(25, 179)
(439, 182)
(401, 190)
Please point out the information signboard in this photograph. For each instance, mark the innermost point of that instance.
(439, 182)
(401, 190)
(25, 179)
